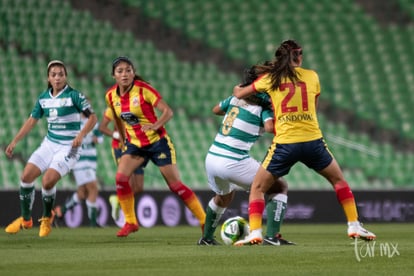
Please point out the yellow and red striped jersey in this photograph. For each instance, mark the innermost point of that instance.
(294, 106)
(136, 108)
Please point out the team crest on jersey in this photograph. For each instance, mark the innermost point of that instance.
(53, 114)
(63, 102)
(135, 101)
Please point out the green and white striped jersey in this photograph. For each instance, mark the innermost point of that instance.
(88, 157)
(62, 113)
(242, 125)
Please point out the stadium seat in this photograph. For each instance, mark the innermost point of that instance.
(354, 56)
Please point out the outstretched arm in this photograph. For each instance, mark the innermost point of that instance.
(24, 130)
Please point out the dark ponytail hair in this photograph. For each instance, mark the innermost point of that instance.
(287, 54)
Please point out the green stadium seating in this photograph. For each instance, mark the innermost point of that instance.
(348, 40)
(354, 56)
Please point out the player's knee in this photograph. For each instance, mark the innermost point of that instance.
(50, 178)
(224, 201)
(121, 178)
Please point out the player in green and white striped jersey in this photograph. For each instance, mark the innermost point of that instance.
(60, 149)
(230, 167)
(84, 172)
(241, 127)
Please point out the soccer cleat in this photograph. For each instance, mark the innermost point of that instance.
(277, 241)
(203, 241)
(113, 200)
(254, 237)
(45, 226)
(18, 224)
(127, 229)
(355, 230)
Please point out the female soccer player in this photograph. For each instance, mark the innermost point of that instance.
(137, 178)
(294, 92)
(230, 167)
(60, 149)
(133, 102)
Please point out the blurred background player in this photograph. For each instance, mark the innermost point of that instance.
(137, 178)
(294, 92)
(84, 173)
(60, 149)
(230, 167)
(134, 103)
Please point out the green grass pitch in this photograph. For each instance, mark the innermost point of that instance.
(322, 249)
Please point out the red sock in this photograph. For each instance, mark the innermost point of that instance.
(347, 200)
(126, 198)
(122, 185)
(181, 190)
(256, 209)
(190, 200)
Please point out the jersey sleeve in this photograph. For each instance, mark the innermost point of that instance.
(109, 114)
(317, 84)
(107, 101)
(261, 83)
(37, 111)
(224, 104)
(151, 95)
(81, 102)
(267, 114)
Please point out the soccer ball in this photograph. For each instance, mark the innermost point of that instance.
(234, 229)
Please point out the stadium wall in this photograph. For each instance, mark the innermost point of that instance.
(164, 208)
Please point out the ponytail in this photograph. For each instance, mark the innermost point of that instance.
(286, 56)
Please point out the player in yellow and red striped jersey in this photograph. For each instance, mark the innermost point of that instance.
(137, 178)
(133, 102)
(294, 92)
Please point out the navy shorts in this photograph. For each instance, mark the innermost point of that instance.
(314, 154)
(117, 153)
(161, 153)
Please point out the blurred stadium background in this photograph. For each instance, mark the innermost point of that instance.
(194, 52)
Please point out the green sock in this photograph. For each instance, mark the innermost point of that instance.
(48, 199)
(92, 213)
(275, 209)
(27, 196)
(213, 215)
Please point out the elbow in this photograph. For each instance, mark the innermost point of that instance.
(269, 126)
(217, 110)
(236, 92)
(269, 129)
(170, 113)
(93, 118)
